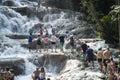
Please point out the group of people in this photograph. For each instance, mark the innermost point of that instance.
(103, 56)
(6, 74)
(108, 65)
(39, 74)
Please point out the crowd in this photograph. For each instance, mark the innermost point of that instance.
(104, 57)
(6, 74)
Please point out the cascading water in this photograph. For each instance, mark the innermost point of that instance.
(12, 22)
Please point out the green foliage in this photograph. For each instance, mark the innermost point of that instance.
(99, 35)
(108, 16)
(114, 13)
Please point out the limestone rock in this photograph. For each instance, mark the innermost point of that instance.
(17, 64)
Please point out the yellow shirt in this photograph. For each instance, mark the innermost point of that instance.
(100, 54)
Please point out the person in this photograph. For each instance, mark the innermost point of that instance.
(35, 75)
(111, 65)
(53, 42)
(106, 58)
(11, 74)
(111, 75)
(52, 30)
(41, 31)
(72, 42)
(46, 43)
(46, 32)
(84, 48)
(1, 76)
(90, 56)
(99, 58)
(78, 46)
(118, 75)
(7, 73)
(62, 40)
(42, 74)
(38, 43)
(30, 41)
(118, 66)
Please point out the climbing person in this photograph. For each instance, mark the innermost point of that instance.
(90, 56)
(106, 58)
(39, 43)
(84, 48)
(46, 43)
(42, 74)
(30, 41)
(62, 40)
(36, 74)
(111, 65)
(99, 56)
(53, 42)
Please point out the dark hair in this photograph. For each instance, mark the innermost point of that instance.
(30, 33)
(7, 68)
(48, 78)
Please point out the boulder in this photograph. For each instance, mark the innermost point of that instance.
(17, 64)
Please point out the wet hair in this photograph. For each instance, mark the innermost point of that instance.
(48, 78)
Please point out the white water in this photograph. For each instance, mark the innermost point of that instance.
(12, 22)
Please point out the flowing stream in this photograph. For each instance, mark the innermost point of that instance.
(12, 22)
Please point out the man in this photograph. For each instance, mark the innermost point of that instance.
(30, 41)
(36, 73)
(106, 58)
(84, 48)
(90, 56)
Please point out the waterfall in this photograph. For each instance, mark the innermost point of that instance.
(12, 22)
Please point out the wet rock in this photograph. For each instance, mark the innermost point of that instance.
(52, 62)
(64, 4)
(19, 36)
(8, 3)
(24, 10)
(17, 64)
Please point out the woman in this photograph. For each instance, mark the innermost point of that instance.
(42, 74)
